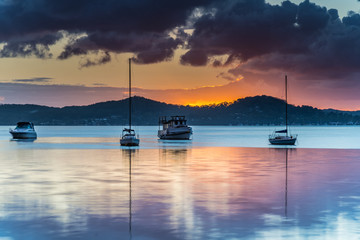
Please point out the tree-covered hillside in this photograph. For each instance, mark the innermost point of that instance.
(259, 110)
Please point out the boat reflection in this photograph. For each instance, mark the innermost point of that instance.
(23, 140)
(128, 155)
(282, 152)
(173, 156)
(175, 193)
(164, 143)
(286, 180)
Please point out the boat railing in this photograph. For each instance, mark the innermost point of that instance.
(275, 135)
(162, 119)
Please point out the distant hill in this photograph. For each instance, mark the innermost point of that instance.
(259, 110)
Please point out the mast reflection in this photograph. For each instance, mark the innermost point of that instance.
(128, 155)
(286, 181)
(286, 189)
(287, 150)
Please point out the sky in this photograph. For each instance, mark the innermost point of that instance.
(62, 52)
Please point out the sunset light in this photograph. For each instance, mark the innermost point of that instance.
(179, 119)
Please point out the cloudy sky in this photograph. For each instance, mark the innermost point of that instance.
(65, 52)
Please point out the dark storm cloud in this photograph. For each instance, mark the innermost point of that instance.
(333, 54)
(30, 45)
(306, 39)
(101, 59)
(195, 57)
(70, 51)
(139, 27)
(251, 28)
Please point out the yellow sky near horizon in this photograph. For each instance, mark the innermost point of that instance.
(165, 75)
(166, 81)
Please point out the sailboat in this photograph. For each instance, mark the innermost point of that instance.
(282, 137)
(128, 137)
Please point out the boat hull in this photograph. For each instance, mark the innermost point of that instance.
(282, 141)
(174, 136)
(23, 135)
(129, 142)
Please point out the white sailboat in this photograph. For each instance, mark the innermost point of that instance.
(128, 137)
(282, 137)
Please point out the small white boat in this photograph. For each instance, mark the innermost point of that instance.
(128, 137)
(174, 128)
(282, 137)
(23, 130)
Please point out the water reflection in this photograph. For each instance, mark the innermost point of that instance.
(182, 144)
(127, 154)
(22, 140)
(286, 181)
(173, 156)
(285, 153)
(197, 193)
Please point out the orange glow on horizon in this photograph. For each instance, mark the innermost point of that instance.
(201, 96)
(208, 103)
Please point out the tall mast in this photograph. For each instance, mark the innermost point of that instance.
(286, 106)
(129, 93)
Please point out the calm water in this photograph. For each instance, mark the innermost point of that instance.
(224, 136)
(226, 183)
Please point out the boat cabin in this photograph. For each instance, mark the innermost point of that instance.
(128, 132)
(24, 125)
(174, 121)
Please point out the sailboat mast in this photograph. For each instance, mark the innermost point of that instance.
(129, 93)
(286, 106)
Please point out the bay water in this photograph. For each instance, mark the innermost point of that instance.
(77, 182)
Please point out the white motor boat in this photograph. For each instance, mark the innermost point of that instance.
(175, 128)
(23, 130)
(282, 137)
